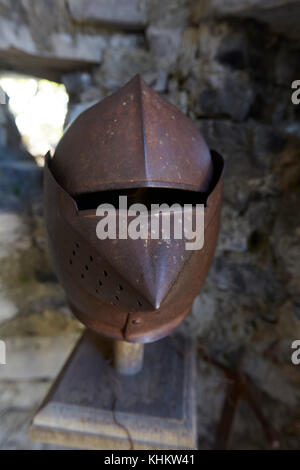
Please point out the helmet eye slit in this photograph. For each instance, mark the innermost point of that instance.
(146, 196)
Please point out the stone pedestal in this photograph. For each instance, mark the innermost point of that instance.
(92, 406)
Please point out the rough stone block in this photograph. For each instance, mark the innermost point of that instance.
(128, 14)
(281, 15)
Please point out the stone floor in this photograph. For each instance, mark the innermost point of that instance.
(34, 356)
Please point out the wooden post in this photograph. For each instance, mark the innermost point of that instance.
(128, 357)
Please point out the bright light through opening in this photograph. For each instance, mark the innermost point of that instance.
(40, 108)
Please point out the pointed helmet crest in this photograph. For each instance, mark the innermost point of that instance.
(133, 138)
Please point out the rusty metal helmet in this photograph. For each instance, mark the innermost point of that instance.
(133, 142)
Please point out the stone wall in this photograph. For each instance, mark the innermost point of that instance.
(229, 66)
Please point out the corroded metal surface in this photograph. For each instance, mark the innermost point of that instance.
(133, 138)
(133, 290)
